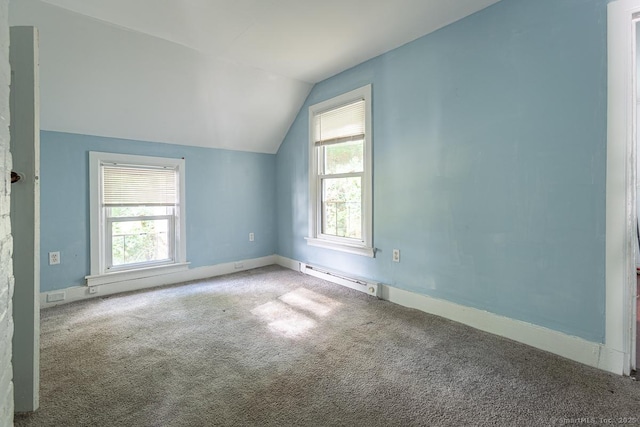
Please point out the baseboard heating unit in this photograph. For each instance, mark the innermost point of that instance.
(373, 289)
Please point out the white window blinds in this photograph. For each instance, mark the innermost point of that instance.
(138, 186)
(342, 124)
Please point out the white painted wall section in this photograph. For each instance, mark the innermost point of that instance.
(289, 38)
(25, 216)
(621, 210)
(6, 243)
(104, 80)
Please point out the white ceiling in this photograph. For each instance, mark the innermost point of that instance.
(216, 73)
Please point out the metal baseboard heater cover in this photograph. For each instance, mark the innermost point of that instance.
(373, 289)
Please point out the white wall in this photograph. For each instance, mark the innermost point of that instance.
(99, 79)
(6, 243)
(637, 129)
(25, 216)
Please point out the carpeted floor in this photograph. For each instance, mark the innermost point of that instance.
(272, 347)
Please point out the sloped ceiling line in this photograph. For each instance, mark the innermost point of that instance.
(229, 74)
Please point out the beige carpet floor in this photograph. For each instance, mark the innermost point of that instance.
(272, 347)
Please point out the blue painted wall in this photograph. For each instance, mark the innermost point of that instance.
(489, 165)
(228, 195)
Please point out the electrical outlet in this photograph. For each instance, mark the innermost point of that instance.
(54, 258)
(396, 255)
(55, 296)
(251, 237)
(238, 265)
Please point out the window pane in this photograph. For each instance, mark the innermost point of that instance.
(342, 207)
(344, 158)
(140, 241)
(131, 211)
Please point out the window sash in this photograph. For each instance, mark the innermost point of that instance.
(321, 214)
(108, 240)
(321, 177)
(127, 185)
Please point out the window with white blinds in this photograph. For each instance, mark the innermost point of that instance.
(340, 157)
(137, 214)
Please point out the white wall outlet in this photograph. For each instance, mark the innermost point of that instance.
(55, 296)
(251, 237)
(396, 255)
(54, 258)
(238, 265)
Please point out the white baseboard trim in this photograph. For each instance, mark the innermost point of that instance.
(288, 263)
(571, 347)
(77, 293)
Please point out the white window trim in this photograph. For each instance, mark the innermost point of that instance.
(316, 238)
(98, 275)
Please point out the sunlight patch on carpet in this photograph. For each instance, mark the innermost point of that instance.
(285, 317)
(305, 299)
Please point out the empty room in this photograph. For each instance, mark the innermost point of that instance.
(291, 213)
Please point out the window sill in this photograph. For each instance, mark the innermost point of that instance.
(352, 249)
(139, 273)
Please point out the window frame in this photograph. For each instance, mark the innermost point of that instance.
(100, 274)
(363, 246)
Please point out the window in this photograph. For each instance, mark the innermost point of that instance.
(137, 217)
(340, 213)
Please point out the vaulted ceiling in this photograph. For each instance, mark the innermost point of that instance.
(215, 73)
